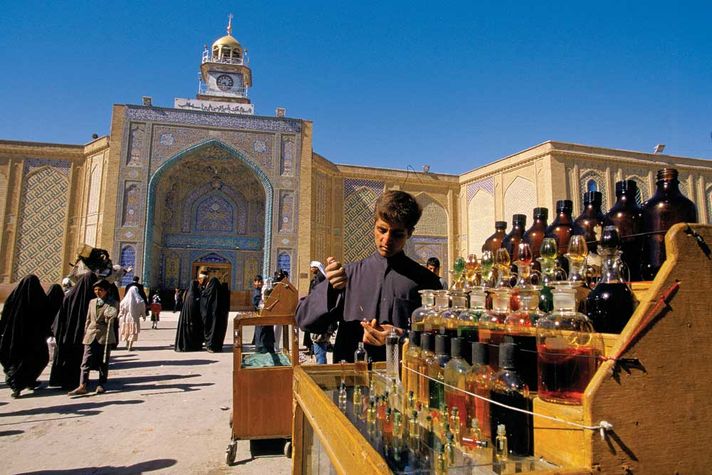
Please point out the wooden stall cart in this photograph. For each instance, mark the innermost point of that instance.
(651, 394)
(262, 396)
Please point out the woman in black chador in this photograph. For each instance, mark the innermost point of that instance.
(55, 294)
(68, 329)
(189, 335)
(23, 345)
(214, 307)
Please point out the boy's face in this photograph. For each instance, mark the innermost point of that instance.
(257, 284)
(100, 292)
(390, 238)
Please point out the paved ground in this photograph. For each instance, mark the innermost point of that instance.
(163, 412)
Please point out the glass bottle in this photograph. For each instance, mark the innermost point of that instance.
(501, 450)
(568, 350)
(479, 381)
(472, 272)
(455, 373)
(393, 355)
(459, 317)
(436, 370)
(509, 389)
(611, 303)
(473, 439)
(412, 363)
(625, 215)
(535, 234)
(361, 365)
(666, 207)
(590, 221)
(427, 297)
(502, 262)
(433, 322)
(561, 229)
(478, 304)
(458, 274)
(426, 356)
(547, 261)
(491, 331)
(514, 237)
(576, 256)
(487, 267)
(494, 242)
(519, 325)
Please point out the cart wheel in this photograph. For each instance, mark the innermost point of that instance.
(288, 449)
(231, 452)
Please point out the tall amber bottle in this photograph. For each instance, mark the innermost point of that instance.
(590, 221)
(494, 242)
(561, 229)
(514, 237)
(625, 216)
(535, 234)
(667, 206)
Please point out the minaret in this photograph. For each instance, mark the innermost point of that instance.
(224, 74)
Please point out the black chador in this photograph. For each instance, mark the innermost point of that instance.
(214, 307)
(68, 329)
(23, 345)
(55, 294)
(189, 335)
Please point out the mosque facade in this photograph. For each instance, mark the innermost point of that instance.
(207, 183)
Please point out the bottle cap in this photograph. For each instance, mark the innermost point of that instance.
(501, 430)
(414, 338)
(541, 213)
(626, 187)
(592, 197)
(456, 347)
(479, 353)
(667, 174)
(426, 342)
(564, 206)
(610, 239)
(506, 355)
(520, 219)
(441, 342)
(500, 225)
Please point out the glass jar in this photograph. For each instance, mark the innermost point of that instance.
(417, 318)
(494, 242)
(514, 237)
(561, 229)
(535, 234)
(625, 215)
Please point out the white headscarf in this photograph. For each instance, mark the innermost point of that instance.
(319, 266)
(132, 304)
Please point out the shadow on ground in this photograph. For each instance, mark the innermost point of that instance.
(128, 364)
(142, 467)
(154, 383)
(89, 408)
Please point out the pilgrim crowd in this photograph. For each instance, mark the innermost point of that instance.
(75, 328)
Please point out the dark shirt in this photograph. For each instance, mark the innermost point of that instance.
(382, 288)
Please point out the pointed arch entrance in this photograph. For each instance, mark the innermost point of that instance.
(208, 205)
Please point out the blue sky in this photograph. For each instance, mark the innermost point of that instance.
(391, 84)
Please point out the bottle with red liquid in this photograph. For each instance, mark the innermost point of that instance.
(535, 234)
(666, 207)
(625, 215)
(561, 229)
(590, 223)
(611, 303)
(567, 350)
(514, 237)
(509, 389)
(479, 381)
(494, 242)
(455, 373)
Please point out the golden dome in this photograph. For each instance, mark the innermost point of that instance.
(227, 40)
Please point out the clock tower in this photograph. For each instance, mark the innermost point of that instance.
(224, 74)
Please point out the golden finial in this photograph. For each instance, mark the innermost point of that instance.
(229, 24)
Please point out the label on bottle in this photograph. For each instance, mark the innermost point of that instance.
(556, 343)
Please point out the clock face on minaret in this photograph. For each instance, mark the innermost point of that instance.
(224, 82)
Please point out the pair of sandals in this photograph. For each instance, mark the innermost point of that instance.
(83, 390)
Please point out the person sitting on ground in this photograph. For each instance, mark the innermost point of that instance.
(98, 337)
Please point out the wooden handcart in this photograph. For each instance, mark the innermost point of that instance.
(262, 396)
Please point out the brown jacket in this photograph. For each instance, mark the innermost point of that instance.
(97, 322)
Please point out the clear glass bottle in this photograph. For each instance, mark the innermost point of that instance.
(625, 215)
(458, 318)
(417, 318)
(426, 357)
(501, 450)
(509, 389)
(666, 207)
(412, 363)
(491, 330)
(436, 370)
(567, 350)
(514, 237)
(611, 303)
(494, 242)
(433, 322)
(472, 272)
(361, 365)
(479, 381)
(455, 373)
(547, 261)
(535, 234)
(393, 355)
